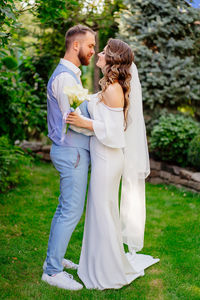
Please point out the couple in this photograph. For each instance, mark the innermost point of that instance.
(118, 148)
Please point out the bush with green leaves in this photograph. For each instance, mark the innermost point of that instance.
(13, 162)
(152, 119)
(194, 152)
(23, 107)
(171, 137)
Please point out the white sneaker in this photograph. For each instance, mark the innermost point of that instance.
(62, 280)
(68, 264)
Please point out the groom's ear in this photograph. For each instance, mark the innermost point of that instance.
(76, 45)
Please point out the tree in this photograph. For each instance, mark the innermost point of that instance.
(8, 20)
(56, 16)
(164, 36)
(10, 11)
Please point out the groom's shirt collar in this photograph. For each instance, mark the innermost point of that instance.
(71, 66)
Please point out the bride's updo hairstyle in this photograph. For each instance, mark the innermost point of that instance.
(119, 58)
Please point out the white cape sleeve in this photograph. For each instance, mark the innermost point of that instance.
(108, 125)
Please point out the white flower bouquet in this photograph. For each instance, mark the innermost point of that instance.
(76, 94)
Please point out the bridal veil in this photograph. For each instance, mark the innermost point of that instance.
(136, 169)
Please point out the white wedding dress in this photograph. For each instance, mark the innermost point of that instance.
(103, 262)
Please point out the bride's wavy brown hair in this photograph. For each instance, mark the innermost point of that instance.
(119, 57)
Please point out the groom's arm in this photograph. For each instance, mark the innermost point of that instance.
(58, 86)
(84, 109)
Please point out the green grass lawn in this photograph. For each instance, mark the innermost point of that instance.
(172, 234)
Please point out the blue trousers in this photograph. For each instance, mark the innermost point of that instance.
(72, 165)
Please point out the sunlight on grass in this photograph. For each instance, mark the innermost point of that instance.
(172, 234)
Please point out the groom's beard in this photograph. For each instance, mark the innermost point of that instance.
(84, 59)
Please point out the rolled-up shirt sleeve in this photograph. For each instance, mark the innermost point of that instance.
(62, 80)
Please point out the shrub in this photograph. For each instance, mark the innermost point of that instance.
(194, 152)
(22, 110)
(10, 62)
(12, 164)
(171, 136)
(153, 119)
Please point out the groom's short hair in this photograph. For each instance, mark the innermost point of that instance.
(72, 33)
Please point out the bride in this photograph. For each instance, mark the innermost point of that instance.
(118, 149)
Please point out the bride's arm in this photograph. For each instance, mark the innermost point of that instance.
(113, 97)
(108, 127)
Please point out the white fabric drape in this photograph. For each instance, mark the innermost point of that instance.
(136, 169)
(107, 122)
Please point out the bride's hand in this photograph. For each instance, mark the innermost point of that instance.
(74, 119)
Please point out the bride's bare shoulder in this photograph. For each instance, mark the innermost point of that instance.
(113, 95)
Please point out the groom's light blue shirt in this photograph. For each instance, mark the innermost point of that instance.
(67, 74)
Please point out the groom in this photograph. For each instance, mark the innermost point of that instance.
(69, 154)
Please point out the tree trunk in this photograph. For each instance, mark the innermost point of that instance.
(96, 69)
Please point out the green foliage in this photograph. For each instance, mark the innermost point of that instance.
(164, 36)
(8, 20)
(10, 62)
(35, 71)
(23, 105)
(59, 15)
(153, 119)
(171, 136)
(22, 90)
(194, 152)
(10, 10)
(12, 164)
